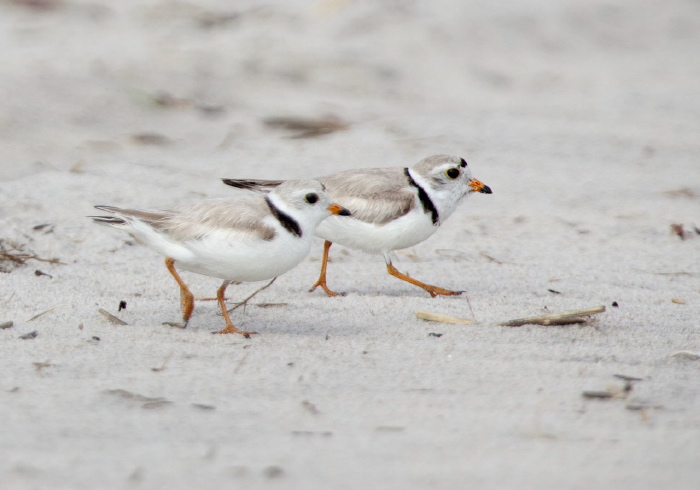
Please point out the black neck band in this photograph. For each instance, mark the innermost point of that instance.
(425, 200)
(289, 223)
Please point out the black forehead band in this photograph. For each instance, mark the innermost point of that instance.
(463, 162)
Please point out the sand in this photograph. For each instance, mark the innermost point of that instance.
(582, 116)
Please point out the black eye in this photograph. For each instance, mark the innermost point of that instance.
(312, 198)
(452, 173)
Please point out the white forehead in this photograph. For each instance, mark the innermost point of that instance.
(296, 187)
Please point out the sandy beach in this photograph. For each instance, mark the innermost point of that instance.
(582, 116)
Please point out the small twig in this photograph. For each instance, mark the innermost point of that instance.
(614, 392)
(470, 306)
(15, 254)
(39, 314)
(565, 318)
(489, 258)
(601, 395)
(112, 318)
(148, 402)
(438, 317)
(628, 380)
(245, 301)
(682, 273)
(686, 354)
(176, 324)
(150, 138)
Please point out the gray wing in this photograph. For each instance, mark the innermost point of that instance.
(241, 218)
(375, 195)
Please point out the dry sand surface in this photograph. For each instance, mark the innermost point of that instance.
(582, 115)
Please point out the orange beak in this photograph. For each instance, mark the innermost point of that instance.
(478, 186)
(338, 209)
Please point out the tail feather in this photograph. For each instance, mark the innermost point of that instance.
(107, 220)
(108, 209)
(126, 216)
(252, 184)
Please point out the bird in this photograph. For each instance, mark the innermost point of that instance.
(243, 238)
(391, 207)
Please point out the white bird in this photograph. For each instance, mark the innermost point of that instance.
(248, 237)
(392, 208)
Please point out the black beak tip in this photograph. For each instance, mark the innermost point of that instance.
(486, 190)
(344, 212)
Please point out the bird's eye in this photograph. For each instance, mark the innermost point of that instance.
(312, 198)
(452, 173)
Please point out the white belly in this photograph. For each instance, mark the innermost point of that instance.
(234, 259)
(397, 234)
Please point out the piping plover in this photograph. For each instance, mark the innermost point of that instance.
(392, 208)
(248, 237)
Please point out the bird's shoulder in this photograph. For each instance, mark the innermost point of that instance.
(242, 216)
(374, 195)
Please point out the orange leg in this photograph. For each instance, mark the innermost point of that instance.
(229, 326)
(186, 297)
(432, 290)
(322, 278)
